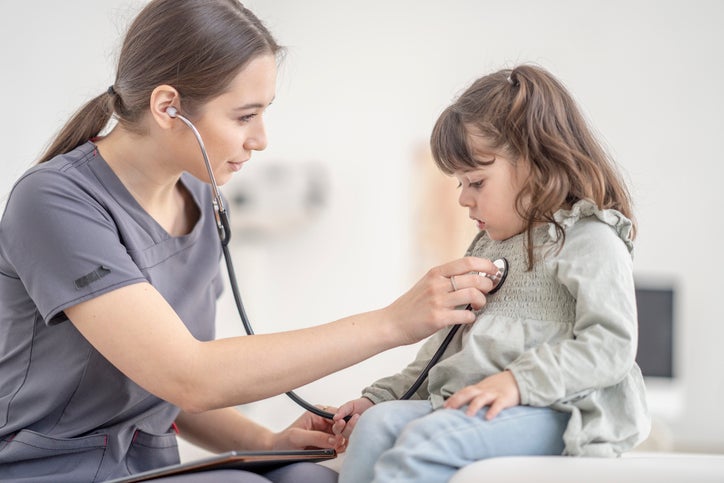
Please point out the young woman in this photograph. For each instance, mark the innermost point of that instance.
(109, 271)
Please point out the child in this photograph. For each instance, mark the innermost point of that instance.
(548, 368)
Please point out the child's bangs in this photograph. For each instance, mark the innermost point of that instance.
(449, 143)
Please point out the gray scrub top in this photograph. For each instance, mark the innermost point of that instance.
(71, 231)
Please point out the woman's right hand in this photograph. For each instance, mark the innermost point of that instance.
(353, 409)
(433, 302)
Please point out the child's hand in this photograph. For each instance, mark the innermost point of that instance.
(354, 408)
(498, 391)
(307, 432)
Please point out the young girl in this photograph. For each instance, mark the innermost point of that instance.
(548, 368)
(109, 272)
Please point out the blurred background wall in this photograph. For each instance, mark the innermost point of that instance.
(358, 93)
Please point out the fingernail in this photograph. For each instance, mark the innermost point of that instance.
(331, 441)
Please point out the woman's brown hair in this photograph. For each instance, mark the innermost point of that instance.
(196, 46)
(530, 115)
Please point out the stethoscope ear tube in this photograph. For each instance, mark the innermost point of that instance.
(224, 231)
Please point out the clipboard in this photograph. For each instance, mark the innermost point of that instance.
(254, 461)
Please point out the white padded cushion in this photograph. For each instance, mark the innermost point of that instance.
(631, 468)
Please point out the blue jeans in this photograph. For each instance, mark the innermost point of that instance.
(407, 441)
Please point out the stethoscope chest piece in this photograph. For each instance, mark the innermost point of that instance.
(500, 277)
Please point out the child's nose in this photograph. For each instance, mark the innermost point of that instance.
(465, 199)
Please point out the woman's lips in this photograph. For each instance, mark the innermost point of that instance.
(236, 166)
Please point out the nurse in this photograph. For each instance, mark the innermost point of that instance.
(109, 273)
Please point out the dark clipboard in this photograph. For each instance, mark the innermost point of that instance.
(254, 461)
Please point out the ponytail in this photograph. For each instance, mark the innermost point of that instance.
(85, 124)
(217, 38)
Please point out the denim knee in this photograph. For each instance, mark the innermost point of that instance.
(375, 420)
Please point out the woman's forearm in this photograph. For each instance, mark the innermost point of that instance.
(260, 366)
(141, 335)
(223, 430)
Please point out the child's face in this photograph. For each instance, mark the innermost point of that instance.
(489, 191)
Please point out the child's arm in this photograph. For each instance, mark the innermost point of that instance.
(394, 386)
(387, 389)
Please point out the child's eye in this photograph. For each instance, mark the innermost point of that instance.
(472, 184)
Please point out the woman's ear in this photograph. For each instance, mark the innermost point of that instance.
(163, 97)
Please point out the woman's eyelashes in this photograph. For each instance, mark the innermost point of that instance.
(246, 118)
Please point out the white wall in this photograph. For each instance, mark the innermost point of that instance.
(359, 92)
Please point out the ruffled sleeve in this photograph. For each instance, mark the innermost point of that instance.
(584, 209)
(596, 270)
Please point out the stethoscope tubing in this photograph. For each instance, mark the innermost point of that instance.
(250, 331)
(224, 231)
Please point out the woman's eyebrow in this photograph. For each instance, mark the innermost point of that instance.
(254, 105)
(245, 107)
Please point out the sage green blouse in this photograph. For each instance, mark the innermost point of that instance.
(567, 330)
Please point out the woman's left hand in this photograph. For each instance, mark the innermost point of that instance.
(310, 431)
(498, 391)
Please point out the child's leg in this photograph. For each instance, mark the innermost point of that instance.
(375, 433)
(434, 447)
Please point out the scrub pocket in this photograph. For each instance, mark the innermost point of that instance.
(30, 456)
(149, 451)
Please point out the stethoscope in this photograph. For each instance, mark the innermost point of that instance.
(222, 225)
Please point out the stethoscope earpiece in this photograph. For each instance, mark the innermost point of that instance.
(222, 220)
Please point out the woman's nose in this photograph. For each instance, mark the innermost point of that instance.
(257, 140)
